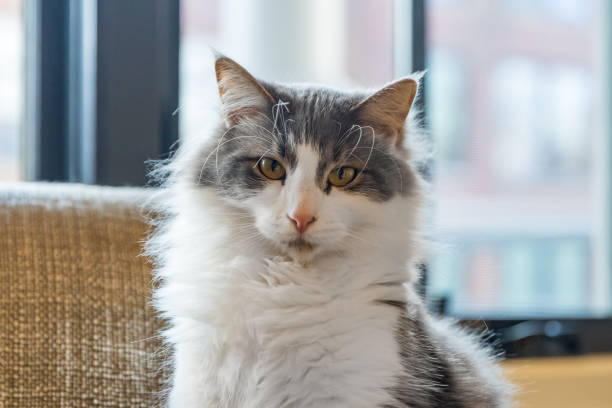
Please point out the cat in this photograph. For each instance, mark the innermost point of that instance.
(285, 248)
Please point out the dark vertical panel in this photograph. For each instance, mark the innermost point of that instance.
(418, 35)
(419, 41)
(168, 59)
(137, 86)
(49, 138)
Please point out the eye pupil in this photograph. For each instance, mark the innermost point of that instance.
(341, 173)
(273, 165)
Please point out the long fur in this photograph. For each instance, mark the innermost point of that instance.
(250, 325)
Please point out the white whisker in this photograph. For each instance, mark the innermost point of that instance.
(354, 147)
(394, 160)
(370, 152)
(216, 150)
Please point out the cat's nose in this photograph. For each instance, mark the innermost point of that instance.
(301, 221)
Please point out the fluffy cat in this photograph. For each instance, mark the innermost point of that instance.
(285, 259)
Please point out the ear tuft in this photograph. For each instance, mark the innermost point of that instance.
(242, 96)
(387, 109)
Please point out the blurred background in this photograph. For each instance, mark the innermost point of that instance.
(515, 106)
(516, 103)
(516, 99)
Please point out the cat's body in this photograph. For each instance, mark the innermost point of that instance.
(296, 291)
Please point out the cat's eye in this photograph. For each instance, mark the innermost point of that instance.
(341, 176)
(271, 168)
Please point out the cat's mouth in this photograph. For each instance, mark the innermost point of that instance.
(300, 244)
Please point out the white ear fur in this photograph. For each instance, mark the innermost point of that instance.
(241, 95)
(388, 108)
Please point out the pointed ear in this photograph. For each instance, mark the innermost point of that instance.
(242, 97)
(388, 108)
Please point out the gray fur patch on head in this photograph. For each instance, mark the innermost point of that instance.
(319, 117)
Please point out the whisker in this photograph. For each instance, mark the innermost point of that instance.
(261, 157)
(370, 152)
(216, 150)
(356, 144)
(347, 134)
(285, 125)
(277, 111)
(274, 136)
(394, 160)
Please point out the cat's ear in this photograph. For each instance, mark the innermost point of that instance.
(387, 109)
(242, 97)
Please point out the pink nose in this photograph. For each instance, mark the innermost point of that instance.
(301, 221)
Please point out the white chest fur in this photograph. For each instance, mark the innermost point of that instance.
(277, 334)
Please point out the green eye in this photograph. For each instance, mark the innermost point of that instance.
(271, 168)
(341, 176)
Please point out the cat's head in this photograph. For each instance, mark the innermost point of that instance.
(316, 170)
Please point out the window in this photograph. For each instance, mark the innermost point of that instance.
(101, 89)
(11, 84)
(515, 103)
(339, 43)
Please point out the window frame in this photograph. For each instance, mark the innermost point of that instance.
(101, 89)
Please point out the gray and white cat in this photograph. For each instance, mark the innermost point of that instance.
(286, 253)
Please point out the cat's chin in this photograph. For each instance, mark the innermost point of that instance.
(301, 244)
(300, 249)
(305, 252)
